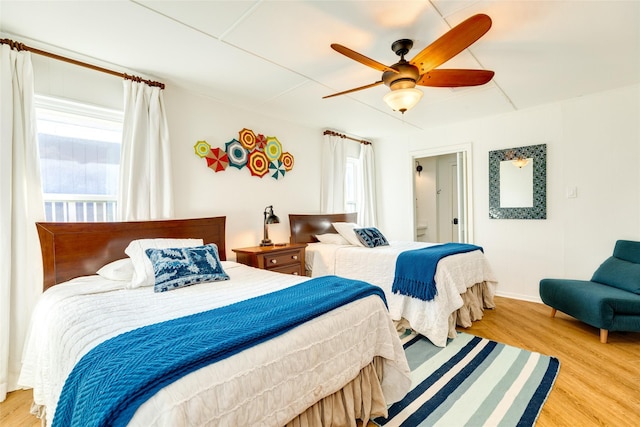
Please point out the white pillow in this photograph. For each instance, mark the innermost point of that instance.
(332, 238)
(346, 230)
(121, 270)
(143, 269)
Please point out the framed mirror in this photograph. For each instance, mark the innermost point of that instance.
(518, 183)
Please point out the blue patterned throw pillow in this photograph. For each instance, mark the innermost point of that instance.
(179, 267)
(371, 237)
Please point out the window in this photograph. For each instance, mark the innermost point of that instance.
(351, 184)
(79, 148)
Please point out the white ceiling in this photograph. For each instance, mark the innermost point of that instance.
(274, 56)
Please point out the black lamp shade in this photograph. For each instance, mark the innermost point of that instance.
(272, 219)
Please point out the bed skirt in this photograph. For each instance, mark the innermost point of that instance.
(360, 399)
(477, 298)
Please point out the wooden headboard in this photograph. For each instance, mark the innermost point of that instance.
(304, 227)
(74, 249)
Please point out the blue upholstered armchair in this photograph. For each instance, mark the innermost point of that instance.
(610, 301)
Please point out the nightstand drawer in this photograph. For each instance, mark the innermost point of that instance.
(278, 259)
(287, 258)
(295, 269)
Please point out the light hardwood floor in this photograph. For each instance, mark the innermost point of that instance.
(14, 412)
(598, 384)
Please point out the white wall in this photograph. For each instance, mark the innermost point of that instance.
(593, 143)
(198, 191)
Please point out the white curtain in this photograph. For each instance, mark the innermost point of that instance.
(334, 160)
(20, 207)
(367, 191)
(335, 151)
(145, 162)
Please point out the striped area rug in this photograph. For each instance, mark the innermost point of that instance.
(472, 382)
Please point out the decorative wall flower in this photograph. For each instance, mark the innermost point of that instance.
(287, 161)
(202, 148)
(247, 139)
(273, 148)
(238, 155)
(276, 169)
(217, 159)
(261, 142)
(258, 163)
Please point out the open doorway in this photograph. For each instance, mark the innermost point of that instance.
(441, 197)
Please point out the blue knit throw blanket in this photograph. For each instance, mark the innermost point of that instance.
(112, 380)
(416, 269)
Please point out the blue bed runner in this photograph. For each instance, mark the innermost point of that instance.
(416, 269)
(112, 380)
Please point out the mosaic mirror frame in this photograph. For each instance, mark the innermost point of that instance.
(539, 209)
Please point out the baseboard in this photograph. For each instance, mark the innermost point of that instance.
(519, 297)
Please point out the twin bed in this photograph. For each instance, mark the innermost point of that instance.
(465, 282)
(339, 365)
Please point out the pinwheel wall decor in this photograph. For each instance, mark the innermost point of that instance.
(259, 154)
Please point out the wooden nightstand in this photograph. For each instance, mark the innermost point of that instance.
(287, 258)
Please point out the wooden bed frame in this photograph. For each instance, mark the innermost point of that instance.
(72, 250)
(304, 227)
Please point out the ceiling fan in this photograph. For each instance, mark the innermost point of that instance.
(403, 76)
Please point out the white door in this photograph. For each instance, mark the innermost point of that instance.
(455, 221)
(447, 198)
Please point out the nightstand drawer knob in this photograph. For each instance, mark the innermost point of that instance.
(274, 261)
(295, 257)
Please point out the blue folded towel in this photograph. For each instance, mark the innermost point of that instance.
(416, 269)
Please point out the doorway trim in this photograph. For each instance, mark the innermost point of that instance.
(465, 148)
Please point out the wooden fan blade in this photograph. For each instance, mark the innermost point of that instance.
(455, 78)
(354, 89)
(361, 58)
(452, 43)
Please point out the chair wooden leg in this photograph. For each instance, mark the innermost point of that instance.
(553, 312)
(604, 334)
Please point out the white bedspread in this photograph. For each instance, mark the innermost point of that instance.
(454, 275)
(266, 385)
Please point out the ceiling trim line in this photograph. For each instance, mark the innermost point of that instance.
(244, 16)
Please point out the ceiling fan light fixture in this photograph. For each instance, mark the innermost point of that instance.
(403, 99)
